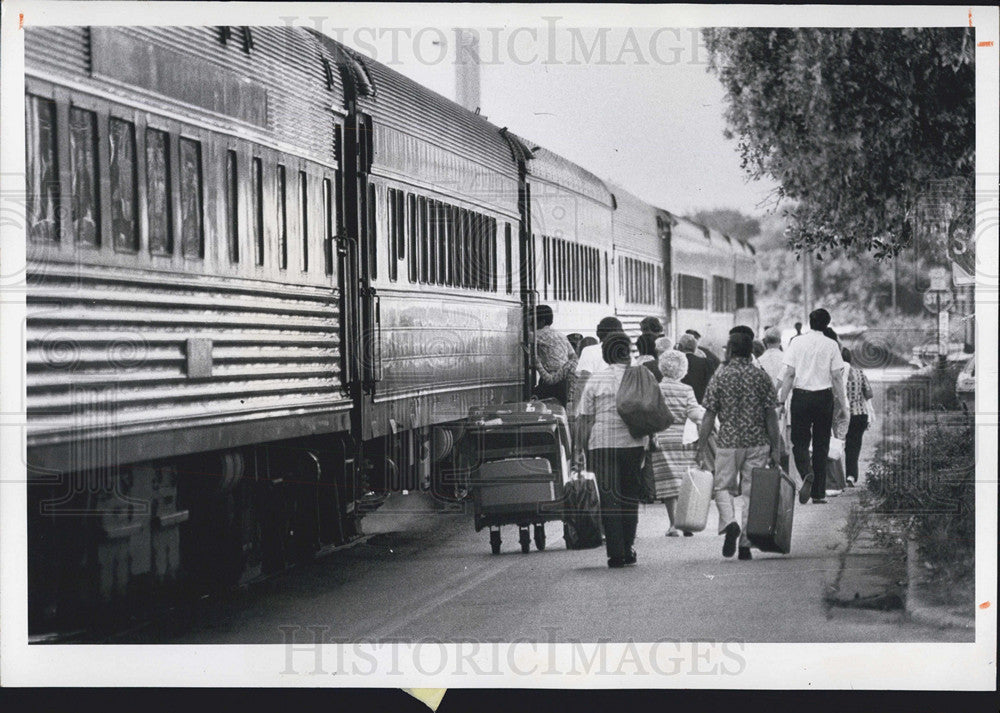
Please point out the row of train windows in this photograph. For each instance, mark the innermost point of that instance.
(572, 271)
(726, 294)
(639, 281)
(44, 209)
(44, 197)
(442, 244)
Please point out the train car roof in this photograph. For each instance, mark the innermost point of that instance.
(632, 208)
(549, 166)
(398, 101)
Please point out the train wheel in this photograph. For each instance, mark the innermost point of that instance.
(540, 536)
(525, 540)
(495, 541)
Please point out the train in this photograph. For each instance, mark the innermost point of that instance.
(268, 278)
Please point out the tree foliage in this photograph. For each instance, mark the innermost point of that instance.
(852, 123)
(729, 221)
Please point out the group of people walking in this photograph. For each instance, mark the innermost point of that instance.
(727, 415)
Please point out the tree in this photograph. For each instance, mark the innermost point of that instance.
(853, 123)
(729, 221)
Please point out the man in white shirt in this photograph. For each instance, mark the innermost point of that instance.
(814, 374)
(591, 360)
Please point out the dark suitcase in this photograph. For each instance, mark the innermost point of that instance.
(582, 515)
(772, 505)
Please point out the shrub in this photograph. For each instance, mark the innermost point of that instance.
(929, 480)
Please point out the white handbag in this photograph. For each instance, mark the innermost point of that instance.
(836, 449)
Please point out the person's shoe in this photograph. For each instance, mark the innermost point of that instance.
(806, 490)
(729, 546)
(819, 501)
(688, 533)
(631, 557)
(833, 493)
(672, 532)
(745, 554)
(850, 483)
(615, 563)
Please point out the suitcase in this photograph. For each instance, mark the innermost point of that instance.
(691, 513)
(769, 517)
(581, 514)
(513, 487)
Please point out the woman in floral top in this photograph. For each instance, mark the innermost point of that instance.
(859, 395)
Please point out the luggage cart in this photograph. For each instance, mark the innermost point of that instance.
(520, 452)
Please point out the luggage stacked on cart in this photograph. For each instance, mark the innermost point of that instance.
(520, 455)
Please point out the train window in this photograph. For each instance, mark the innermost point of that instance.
(493, 253)
(607, 280)
(422, 223)
(431, 238)
(84, 175)
(449, 224)
(282, 220)
(690, 292)
(508, 255)
(372, 218)
(442, 241)
(400, 222)
(232, 206)
(43, 169)
(390, 231)
(158, 192)
(257, 200)
(124, 223)
(413, 216)
(304, 205)
(740, 295)
(750, 296)
(459, 231)
(547, 264)
(192, 220)
(474, 250)
(328, 225)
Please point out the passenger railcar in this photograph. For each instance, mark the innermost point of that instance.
(268, 277)
(570, 211)
(642, 262)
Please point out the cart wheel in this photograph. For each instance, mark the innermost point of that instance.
(525, 540)
(495, 541)
(540, 536)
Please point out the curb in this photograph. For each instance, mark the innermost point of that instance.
(917, 609)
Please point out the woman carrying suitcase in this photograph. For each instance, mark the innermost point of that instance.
(672, 456)
(613, 454)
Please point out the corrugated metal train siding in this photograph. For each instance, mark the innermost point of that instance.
(286, 61)
(110, 347)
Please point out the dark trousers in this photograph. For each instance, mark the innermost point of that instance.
(617, 472)
(812, 421)
(852, 444)
(558, 391)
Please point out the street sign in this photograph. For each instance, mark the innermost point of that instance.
(939, 279)
(961, 240)
(938, 301)
(960, 277)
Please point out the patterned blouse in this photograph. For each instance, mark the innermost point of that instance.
(556, 357)
(740, 394)
(858, 391)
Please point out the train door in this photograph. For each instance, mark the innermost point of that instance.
(528, 286)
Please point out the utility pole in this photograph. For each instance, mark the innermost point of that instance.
(895, 279)
(467, 70)
(807, 296)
